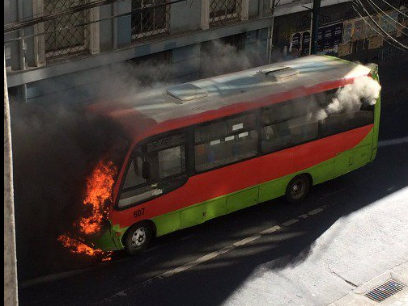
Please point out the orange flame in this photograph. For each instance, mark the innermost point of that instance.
(78, 247)
(75, 246)
(98, 190)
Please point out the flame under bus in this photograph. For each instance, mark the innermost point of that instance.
(211, 147)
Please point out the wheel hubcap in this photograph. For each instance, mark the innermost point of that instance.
(139, 237)
(297, 189)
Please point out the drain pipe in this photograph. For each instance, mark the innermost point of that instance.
(22, 43)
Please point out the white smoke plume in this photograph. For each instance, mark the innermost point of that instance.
(352, 96)
(221, 58)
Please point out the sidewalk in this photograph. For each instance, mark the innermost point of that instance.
(356, 254)
(357, 296)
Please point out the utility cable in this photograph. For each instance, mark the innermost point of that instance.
(374, 6)
(379, 27)
(43, 14)
(15, 26)
(12, 27)
(79, 25)
(390, 5)
(404, 49)
(376, 30)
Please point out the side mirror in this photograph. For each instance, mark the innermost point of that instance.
(147, 171)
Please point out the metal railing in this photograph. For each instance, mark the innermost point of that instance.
(67, 34)
(60, 30)
(225, 11)
(149, 18)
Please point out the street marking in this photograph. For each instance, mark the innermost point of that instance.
(303, 216)
(225, 250)
(246, 240)
(271, 230)
(208, 257)
(315, 211)
(239, 243)
(290, 222)
(392, 142)
(222, 251)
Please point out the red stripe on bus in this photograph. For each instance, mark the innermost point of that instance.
(226, 180)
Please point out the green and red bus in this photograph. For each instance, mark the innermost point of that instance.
(208, 148)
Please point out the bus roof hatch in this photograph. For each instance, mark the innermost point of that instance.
(187, 92)
(280, 73)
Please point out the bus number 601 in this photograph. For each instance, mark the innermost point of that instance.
(139, 213)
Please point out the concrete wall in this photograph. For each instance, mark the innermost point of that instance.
(186, 63)
(185, 16)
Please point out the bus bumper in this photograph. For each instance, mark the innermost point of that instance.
(109, 239)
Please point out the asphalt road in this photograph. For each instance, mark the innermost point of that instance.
(206, 264)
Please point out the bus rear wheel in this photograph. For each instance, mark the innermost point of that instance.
(138, 238)
(297, 189)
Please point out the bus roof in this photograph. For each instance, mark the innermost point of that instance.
(182, 105)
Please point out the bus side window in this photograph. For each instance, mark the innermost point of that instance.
(232, 140)
(288, 125)
(347, 120)
(171, 161)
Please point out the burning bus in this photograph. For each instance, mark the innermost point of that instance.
(207, 148)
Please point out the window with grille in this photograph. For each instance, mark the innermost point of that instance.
(149, 18)
(222, 11)
(66, 34)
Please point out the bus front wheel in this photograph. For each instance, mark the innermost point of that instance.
(297, 189)
(138, 238)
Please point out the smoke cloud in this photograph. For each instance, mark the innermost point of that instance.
(57, 144)
(55, 148)
(352, 96)
(219, 58)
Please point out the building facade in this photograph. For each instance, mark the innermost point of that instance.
(59, 49)
(66, 52)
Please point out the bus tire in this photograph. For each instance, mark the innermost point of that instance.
(138, 238)
(297, 189)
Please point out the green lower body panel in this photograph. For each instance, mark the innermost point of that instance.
(200, 213)
(242, 199)
(168, 223)
(216, 208)
(273, 189)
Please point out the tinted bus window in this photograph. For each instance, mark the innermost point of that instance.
(288, 134)
(337, 123)
(225, 142)
(289, 124)
(289, 110)
(166, 159)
